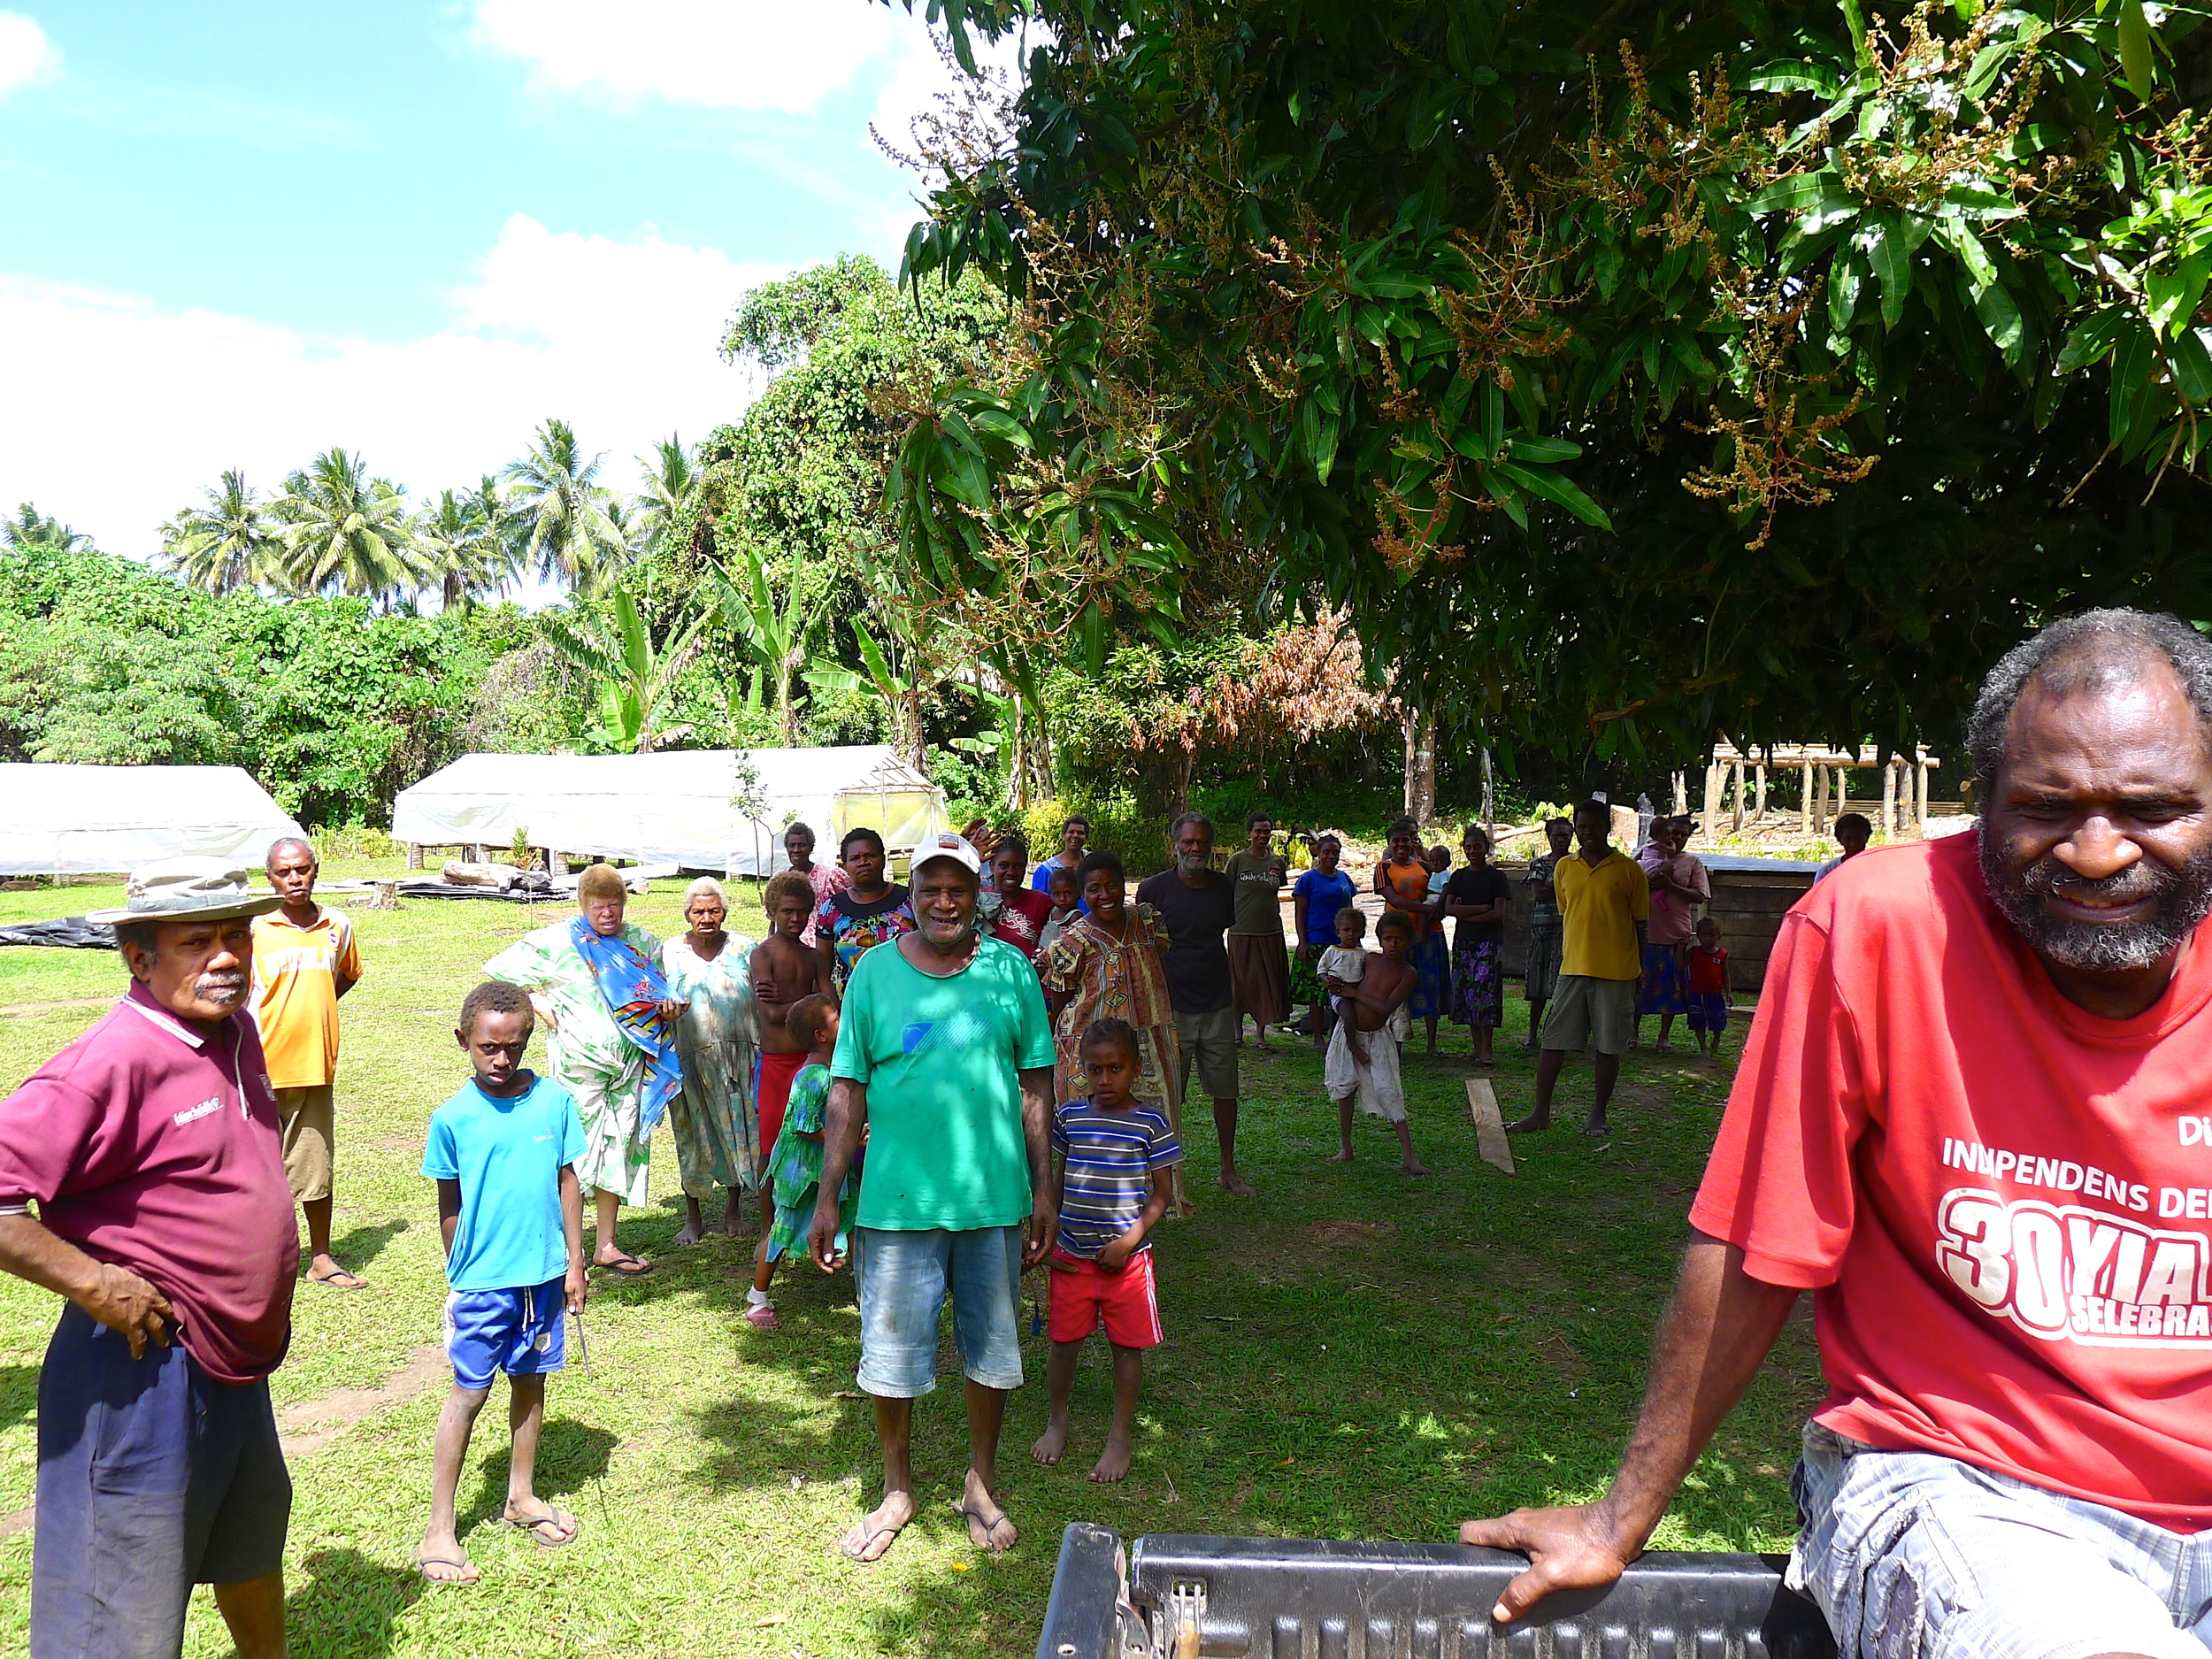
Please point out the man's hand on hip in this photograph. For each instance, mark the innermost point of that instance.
(121, 1300)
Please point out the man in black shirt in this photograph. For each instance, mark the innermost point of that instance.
(1197, 903)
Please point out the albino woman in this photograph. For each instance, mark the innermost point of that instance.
(717, 1135)
(610, 1022)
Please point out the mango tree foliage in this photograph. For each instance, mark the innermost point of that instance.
(1629, 373)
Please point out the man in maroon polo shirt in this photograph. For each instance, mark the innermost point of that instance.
(150, 1147)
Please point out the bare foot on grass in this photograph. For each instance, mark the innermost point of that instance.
(1344, 1157)
(1113, 1463)
(1237, 1184)
(1414, 1166)
(874, 1532)
(1052, 1445)
(690, 1232)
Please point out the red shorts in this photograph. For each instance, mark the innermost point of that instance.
(1083, 1296)
(772, 1093)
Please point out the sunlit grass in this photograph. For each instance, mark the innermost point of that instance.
(1353, 1355)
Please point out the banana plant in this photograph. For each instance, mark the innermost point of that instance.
(899, 691)
(776, 634)
(634, 679)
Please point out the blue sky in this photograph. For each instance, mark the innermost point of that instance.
(241, 234)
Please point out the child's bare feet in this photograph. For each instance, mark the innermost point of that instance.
(1113, 1463)
(1237, 1184)
(1414, 1166)
(875, 1532)
(441, 1559)
(1345, 1157)
(1052, 1445)
(690, 1232)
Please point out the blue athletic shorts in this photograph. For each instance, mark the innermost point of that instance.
(1709, 1010)
(152, 1477)
(519, 1331)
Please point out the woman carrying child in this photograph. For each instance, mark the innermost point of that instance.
(1107, 965)
(1402, 877)
(1315, 899)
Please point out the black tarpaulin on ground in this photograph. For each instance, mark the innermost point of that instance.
(71, 933)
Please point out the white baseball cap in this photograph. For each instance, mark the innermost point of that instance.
(948, 845)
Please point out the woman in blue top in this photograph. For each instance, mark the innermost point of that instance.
(1315, 899)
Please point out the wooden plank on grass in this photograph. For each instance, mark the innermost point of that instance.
(1490, 1136)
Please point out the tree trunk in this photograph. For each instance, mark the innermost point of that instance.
(1489, 800)
(1420, 792)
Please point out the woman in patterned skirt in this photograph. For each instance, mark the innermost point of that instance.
(717, 1135)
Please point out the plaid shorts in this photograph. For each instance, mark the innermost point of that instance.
(1912, 1555)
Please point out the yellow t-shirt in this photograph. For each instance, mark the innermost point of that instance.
(1599, 907)
(295, 995)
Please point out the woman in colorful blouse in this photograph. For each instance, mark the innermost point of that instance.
(1011, 911)
(1403, 880)
(870, 910)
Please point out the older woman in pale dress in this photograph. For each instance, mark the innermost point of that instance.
(717, 1129)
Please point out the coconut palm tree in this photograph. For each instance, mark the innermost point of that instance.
(30, 528)
(669, 483)
(463, 538)
(560, 511)
(227, 542)
(345, 531)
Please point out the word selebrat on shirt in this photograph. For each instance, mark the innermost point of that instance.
(2065, 1271)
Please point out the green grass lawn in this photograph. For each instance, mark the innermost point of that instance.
(1351, 1354)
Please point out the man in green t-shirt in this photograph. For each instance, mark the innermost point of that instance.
(945, 1053)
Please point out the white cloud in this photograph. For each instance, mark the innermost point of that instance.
(739, 54)
(26, 54)
(139, 409)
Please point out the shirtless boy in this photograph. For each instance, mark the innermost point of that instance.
(1363, 1073)
(784, 969)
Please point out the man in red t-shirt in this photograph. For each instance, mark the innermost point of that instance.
(1974, 1117)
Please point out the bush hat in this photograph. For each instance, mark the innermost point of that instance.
(188, 890)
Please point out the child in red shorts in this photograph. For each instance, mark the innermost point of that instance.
(1113, 1175)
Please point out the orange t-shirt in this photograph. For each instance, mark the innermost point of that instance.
(2001, 1199)
(1407, 890)
(295, 995)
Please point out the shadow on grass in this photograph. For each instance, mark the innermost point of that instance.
(570, 1455)
(350, 1604)
(362, 1246)
(19, 1393)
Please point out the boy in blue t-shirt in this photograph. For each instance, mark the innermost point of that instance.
(1114, 1161)
(501, 1151)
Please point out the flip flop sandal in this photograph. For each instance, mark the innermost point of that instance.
(423, 1564)
(763, 1318)
(625, 1266)
(974, 1518)
(340, 1281)
(882, 1530)
(552, 1520)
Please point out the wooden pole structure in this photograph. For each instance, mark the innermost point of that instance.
(1889, 798)
(1805, 803)
(1920, 811)
(1711, 825)
(1736, 782)
(1820, 811)
(1681, 794)
(1489, 801)
(1759, 815)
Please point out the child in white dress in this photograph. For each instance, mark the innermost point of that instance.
(1347, 961)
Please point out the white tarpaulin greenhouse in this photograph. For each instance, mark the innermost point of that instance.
(86, 820)
(706, 809)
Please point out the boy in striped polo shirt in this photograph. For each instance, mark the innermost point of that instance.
(1113, 1178)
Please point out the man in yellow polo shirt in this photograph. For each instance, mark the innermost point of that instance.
(304, 959)
(1604, 908)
